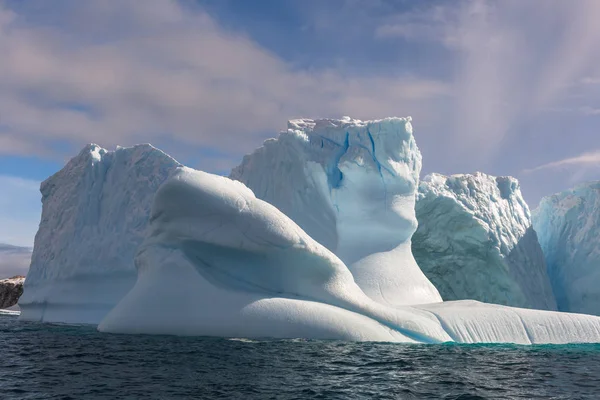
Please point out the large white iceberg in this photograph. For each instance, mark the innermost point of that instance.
(218, 261)
(94, 214)
(213, 259)
(351, 186)
(475, 241)
(568, 226)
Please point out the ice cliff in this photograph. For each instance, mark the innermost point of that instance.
(351, 186)
(475, 241)
(568, 226)
(94, 214)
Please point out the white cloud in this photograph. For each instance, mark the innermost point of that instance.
(164, 71)
(585, 159)
(590, 80)
(513, 60)
(590, 110)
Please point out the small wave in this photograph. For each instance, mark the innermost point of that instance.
(243, 340)
(10, 312)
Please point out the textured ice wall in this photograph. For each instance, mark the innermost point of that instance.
(475, 241)
(94, 215)
(351, 186)
(568, 226)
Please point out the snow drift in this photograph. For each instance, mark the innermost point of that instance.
(475, 241)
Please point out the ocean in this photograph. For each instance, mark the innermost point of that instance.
(46, 361)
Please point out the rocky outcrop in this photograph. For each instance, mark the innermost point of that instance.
(10, 291)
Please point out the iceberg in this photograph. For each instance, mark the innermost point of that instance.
(475, 240)
(568, 226)
(94, 214)
(217, 261)
(351, 186)
(134, 242)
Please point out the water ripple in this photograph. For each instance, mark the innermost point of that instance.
(76, 362)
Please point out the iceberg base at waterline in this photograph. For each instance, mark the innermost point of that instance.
(217, 261)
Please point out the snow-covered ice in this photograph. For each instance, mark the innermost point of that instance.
(475, 241)
(94, 213)
(351, 186)
(568, 226)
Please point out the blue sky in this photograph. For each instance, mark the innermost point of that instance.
(503, 87)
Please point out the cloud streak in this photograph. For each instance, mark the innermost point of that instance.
(585, 159)
(168, 71)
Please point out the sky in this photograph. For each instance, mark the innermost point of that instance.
(504, 87)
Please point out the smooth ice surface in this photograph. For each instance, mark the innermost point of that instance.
(219, 261)
(351, 186)
(94, 215)
(568, 226)
(475, 241)
(470, 321)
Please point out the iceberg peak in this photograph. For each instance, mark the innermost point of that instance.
(350, 184)
(94, 215)
(478, 227)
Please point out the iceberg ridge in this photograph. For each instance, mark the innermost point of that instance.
(351, 186)
(475, 240)
(94, 214)
(568, 226)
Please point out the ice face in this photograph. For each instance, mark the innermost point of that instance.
(94, 214)
(568, 226)
(351, 186)
(475, 241)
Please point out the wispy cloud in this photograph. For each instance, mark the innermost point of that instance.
(585, 159)
(118, 73)
(14, 261)
(590, 110)
(512, 60)
(589, 80)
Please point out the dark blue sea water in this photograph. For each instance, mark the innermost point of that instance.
(65, 362)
